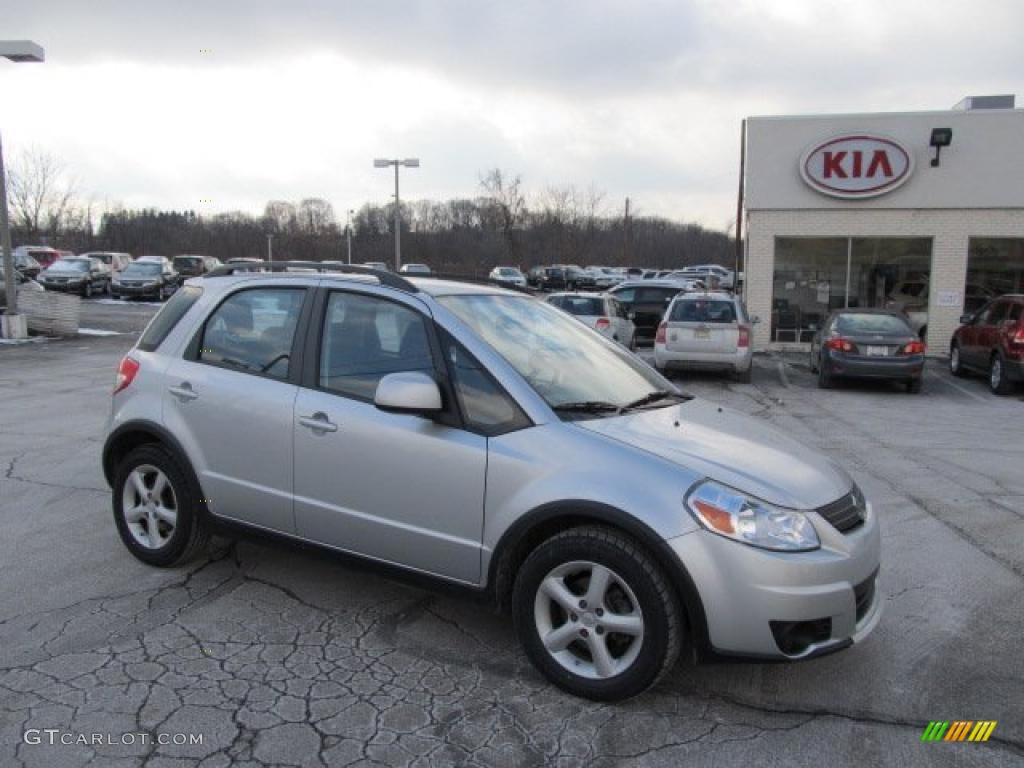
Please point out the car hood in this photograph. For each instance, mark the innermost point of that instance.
(732, 448)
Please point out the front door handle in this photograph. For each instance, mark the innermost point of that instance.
(318, 422)
(183, 391)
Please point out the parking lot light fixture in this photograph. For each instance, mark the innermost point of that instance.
(409, 162)
(20, 52)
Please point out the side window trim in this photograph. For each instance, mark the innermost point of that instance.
(191, 352)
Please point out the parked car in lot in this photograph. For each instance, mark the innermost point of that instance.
(509, 276)
(146, 279)
(604, 277)
(42, 256)
(647, 300)
(713, 275)
(705, 330)
(76, 274)
(991, 341)
(415, 269)
(25, 284)
(26, 265)
(194, 265)
(377, 265)
(547, 278)
(867, 344)
(482, 437)
(599, 311)
(115, 261)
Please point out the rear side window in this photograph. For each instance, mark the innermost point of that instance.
(168, 317)
(626, 295)
(252, 331)
(700, 311)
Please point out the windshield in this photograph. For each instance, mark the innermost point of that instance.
(141, 268)
(187, 261)
(560, 358)
(873, 324)
(72, 265)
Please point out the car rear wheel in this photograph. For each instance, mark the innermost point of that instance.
(997, 381)
(744, 377)
(956, 366)
(914, 386)
(596, 615)
(157, 509)
(825, 379)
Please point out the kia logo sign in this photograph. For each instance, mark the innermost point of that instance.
(854, 167)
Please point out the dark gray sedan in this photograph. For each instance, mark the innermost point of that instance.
(867, 344)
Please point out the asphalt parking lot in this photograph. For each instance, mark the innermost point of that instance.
(280, 656)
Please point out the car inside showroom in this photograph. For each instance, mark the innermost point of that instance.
(921, 212)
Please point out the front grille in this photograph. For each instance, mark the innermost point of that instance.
(864, 594)
(844, 514)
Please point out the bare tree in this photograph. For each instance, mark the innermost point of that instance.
(504, 193)
(42, 195)
(316, 216)
(279, 216)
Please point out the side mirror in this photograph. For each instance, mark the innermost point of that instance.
(408, 392)
(965, 319)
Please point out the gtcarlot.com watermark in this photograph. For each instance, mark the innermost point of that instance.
(55, 736)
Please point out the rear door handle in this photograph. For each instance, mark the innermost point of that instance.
(183, 391)
(318, 422)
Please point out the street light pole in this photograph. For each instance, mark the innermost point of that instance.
(20, 52)
(348, 234)
(409, 162)
(270, 248)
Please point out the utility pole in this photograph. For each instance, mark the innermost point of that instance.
(739, 208)
(625, 236)
(270, 248)
(348, 234)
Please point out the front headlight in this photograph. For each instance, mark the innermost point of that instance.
(736, 516)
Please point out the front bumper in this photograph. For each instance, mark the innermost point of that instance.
(135, 291)
(64, 287)
(745, 589)
(904, 367)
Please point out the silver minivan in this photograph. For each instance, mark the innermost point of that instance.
(480, 436)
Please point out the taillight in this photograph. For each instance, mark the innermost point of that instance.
(125, 373)
(840, 344)
(1018, 337)
(913, 348)
(603, 323)
(744, 339)
(662, 334)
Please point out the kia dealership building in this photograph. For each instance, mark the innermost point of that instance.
(922, 211)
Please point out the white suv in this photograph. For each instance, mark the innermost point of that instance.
(709, 330)
(480, 436)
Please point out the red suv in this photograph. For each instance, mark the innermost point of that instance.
(991, 341)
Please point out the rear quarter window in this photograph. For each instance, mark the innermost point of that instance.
(168, 317)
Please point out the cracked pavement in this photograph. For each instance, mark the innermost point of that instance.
(279, 655)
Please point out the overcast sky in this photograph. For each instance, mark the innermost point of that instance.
(296, 97)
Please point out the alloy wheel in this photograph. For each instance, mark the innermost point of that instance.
(954, 359)
(589, 619)
(995, 374)
(150, 506)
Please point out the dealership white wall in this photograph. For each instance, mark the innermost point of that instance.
(977, 191)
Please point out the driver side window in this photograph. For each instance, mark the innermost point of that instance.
(252, 331)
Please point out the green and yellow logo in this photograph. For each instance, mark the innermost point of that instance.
(958, 730)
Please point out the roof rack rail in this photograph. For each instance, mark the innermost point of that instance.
(389, 279)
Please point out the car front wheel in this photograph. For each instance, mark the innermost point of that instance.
(956, 366)
(156, 508)
(596, 615)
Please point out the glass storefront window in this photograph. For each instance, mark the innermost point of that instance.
(809, 282)
(995, 265)
(814, 276)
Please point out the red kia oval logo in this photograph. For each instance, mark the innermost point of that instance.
(856, 166)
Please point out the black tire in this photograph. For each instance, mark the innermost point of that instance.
(744, 377)
(811, 362)
(996, 366)
(956, 366)
(87, 291)
(658, 603)
(914, 386)
(825, 379)
(191, 533)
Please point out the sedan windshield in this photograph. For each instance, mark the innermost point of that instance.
(889, 325)
(570, 366)
(141, 269)
(70, 265)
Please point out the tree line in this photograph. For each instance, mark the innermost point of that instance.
(471, 235)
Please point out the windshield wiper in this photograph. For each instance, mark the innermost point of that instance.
(650, 397)
(586, 406)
